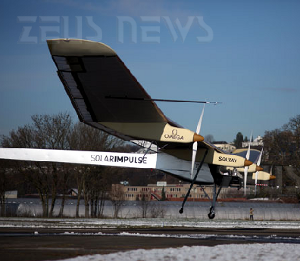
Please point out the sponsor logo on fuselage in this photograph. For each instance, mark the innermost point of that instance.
(123, 159)
(227, 159)
(174, 135)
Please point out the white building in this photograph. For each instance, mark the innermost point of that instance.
(11, 194)
(255, 143)
(223, 145)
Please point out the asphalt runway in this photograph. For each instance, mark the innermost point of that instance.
(32, 244)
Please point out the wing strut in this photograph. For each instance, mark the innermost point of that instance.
(212, 213)
(193, 182)
(148, 149)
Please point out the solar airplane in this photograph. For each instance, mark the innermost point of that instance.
(108, 97)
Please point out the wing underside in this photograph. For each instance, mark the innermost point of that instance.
(93, 75)
(107, 96)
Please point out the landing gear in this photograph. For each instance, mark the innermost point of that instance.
(193, 182)
(220, 179)
(211, 213)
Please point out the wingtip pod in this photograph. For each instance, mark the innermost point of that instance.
(247, 163)
(78, 47)
(262, 175)
(198, 137)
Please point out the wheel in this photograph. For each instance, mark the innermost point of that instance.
(211, 214)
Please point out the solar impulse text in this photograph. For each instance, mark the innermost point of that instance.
(116, 159)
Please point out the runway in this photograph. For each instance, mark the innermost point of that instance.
(33, 239)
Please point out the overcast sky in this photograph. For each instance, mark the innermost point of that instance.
(244, 54)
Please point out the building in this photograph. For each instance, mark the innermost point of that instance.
(223, 145)
(258, 142)
(11, 194)
(172, 192)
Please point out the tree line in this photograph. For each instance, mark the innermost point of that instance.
(282, 148)
(50, 179)
(281, 152)
(94, 183)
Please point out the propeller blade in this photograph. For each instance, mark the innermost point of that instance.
(195, 144)
(246, 168)
(248, 151)
(258, 164)
(245, 179)
(200, 121)
(259, 157)
(271, 170)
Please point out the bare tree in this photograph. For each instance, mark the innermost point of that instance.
(65, 175)
(100, 184)
(282, 147)
(92, 181)
(157, 210)
(117, 198)
(294, 127)
(209, 138)
(144, 203)
(79, 177)
(48, 132)
(58, 132)
(3, 186)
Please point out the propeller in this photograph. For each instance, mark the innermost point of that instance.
(258, 164)
(195, 144)
(246, 167)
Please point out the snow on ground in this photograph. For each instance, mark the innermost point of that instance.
(261, 252)
(143, 222)
(242, 238)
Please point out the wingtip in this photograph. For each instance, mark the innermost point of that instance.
(78, 47)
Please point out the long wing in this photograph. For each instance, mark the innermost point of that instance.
(93, 74)
(107, 96)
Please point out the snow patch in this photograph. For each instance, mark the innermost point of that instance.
(262, 252)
